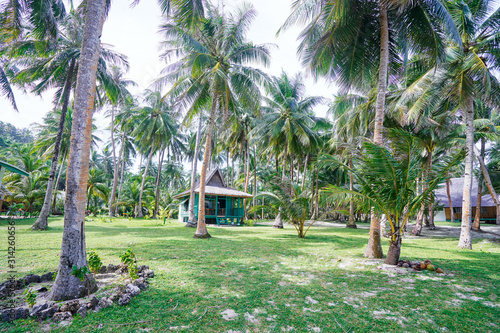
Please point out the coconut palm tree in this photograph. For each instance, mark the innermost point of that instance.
(465, 78)
(356, 43)
(211, 72)
(288, 121)
(73, 248)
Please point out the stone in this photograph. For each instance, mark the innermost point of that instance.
(103, 270)
(147, 273)
(42, 290)
(105, 303)
(8, 315)
(92, 303)
(132, 290)
(48, 313)
(31, 278)
(39, 308)
(71, 306)
(142, 268)
(114, 297)
(125, 299)
(60, 316)
(47, 277)
(82, 311)
(140, 283)
(111, 268)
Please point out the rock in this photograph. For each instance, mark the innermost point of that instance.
(105, 303)
(42, 290)
(48, 313)
(114, 297)
(21, 313)
(142, 268)
(103, 270)
(92, 303)
(31, 278)
(439, 270)
(417, 268)
(430, 267)
(60, 316)
(140, 283)
(427, 261)
(112, 268)
(400, 263)
(82, 311)
(71, 306)
(47, 277)
(20, 284)
(147, 273)
(125, 299)
(406, 265)
(132, 290)
(15, 313)
(39, 308)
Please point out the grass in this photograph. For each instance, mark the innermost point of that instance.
(273, 280)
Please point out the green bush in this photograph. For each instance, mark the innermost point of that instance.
(95, 262)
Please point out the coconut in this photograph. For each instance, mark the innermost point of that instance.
(430, 267)
(439, 270)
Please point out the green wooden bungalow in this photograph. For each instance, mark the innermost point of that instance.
(223, 205)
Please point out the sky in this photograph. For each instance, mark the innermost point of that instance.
(134, 32)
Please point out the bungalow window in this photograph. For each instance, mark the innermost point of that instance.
(484, 210)
(457, 210)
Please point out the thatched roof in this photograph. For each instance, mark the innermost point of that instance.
(456, 193)
(215, 185)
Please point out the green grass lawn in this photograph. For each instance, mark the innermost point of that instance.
(274, 281)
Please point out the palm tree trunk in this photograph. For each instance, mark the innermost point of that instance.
(304, 175)
(115, 165)
(201, 228)
(477, 218)
(489, 185)
(254, 181)
(417, 228)
(157, 194)
(42, 222)
(191, 223)
(247, 176)
(73, 248)
(122, 170)
(374, 248)
(278, 222)
(351, 223)
(144, 176)
(464, 241)
(450, 202)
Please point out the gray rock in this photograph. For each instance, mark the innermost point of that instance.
(111, 268)
(147, 273)
(31, 278)
(39, 308)
(103, 270)
(82, 311)
(140, 283)
(124, 299)
(60, 316)
(92, 303)
(71, 306)
(132, 290)
(9, 314)
(114, 297)
(142, 268)
(22, 313)
(47, 277)
(105, 303)
(48, 313)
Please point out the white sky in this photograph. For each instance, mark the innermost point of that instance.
(134, 32)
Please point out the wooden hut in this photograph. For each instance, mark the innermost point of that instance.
(488, 209)
(223, 205)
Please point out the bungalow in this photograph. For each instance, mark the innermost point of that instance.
(223, 205)
(488, 209)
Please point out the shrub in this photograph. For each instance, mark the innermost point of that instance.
(95, 262)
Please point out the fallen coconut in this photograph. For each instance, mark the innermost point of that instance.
(430, 267)
(439, 270)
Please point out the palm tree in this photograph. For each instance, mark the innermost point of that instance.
(288, 122)
(117, 93)
(50, 67)
(155, 127)
(73, 249)
(464, 79)
(355, 43)
(211, 72)
(387, 178)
